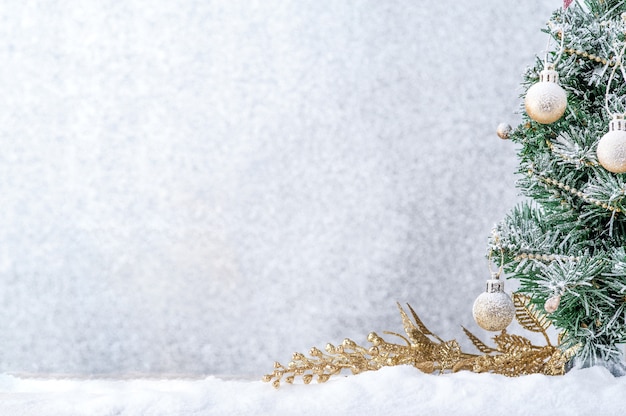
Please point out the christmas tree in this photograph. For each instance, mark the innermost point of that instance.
(566, 243)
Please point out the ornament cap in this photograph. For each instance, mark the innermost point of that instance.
(618, 123)
(495, 286)
(549, 75)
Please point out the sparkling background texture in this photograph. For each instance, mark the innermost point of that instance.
(205, 186)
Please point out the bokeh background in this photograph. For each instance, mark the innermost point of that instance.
(204, 187)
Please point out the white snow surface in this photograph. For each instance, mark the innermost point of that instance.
(389, 391)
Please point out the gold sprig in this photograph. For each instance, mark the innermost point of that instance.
(513, 355)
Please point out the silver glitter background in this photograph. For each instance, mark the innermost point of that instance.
(207, 186)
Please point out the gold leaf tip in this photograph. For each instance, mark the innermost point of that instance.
(315, 352)
(348, 343)
(374, 338)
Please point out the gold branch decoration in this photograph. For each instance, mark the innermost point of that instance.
(513, 355)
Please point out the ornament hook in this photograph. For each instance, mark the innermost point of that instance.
(618, 63)
(561, 33)
(496, 275)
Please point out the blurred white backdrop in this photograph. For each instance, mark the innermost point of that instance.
(207, 186)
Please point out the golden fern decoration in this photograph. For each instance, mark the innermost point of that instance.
(529, 317)
(513, 355)
(480, 346)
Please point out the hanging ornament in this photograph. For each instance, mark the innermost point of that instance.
(546, 100)
(611, 150)
(552, 304)
(493, 310)
(504, 131)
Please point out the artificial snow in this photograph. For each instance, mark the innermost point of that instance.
(390, 391)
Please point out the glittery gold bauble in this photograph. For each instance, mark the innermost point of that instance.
(493, 310)
(546, 101)
(611, 149)
(504, 131)
(552, 304)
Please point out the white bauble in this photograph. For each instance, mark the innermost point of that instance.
(504, 131)
(493, 310)
(611, 150)
(546, 101)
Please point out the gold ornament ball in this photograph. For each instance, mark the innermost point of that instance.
(545, 102)
(493, 311)
(504, 131)
(611, 151)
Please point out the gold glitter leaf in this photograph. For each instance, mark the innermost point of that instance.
(511, 343)
(528, 316)
(417, 332)
(448, 354)
(481, 346)
(419, 323)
